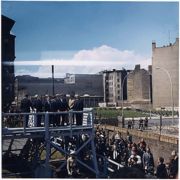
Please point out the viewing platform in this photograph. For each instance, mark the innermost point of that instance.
(49, 135)
(33, 131)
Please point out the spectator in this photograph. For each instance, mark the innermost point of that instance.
(148, 161)
(47, 107)
(65, 107)
(59, 107)
(146, 123)
(117, 136)
(54, 108)
(173, 167)
(71, 105)
(129, 137)
(72, 169)
(135, 159)
(47, 104)
(141, 124)
(26, 104)
(129, 124)
(78, 106)
(142, 143)
(37, 105)
(133, 122)
(161, 172)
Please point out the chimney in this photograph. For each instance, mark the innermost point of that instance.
(150, 69)
(137, 67)
(153, 45)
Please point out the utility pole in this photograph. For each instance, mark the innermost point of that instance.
(53, 80)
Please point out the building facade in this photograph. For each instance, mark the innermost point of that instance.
(69, 79)
(8, 57)
(112, 83)
(165, 69)
(90, 84)
(139, 85)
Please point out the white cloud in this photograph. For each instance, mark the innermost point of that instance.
(88, 61)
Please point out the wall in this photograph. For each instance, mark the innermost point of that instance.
(138, 84)
(166, 57)
(87, 84)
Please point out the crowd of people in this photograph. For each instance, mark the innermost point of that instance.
(57, 103)
(142, 123)
(134, 155)
(121, 150)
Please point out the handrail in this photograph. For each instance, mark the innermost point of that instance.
(46, 115)
(115, 163)
(43, 113)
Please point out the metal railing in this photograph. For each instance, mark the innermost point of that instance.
(8, 119)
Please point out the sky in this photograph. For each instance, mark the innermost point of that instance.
(88, 37)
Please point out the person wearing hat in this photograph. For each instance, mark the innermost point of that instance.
(62, 106)
(47, 107)
(65, 107)
(37, 104)
(78, 106)
(59, 106)
(26, 104)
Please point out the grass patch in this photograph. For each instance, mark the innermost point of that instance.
(113, 113)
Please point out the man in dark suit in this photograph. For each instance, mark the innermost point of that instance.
(37, 104)
(47, 107)
(26, 104)
(78, 106)
(63, 107)
(54, 109)
(47, 104)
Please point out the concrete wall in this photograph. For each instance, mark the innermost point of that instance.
(166, 57)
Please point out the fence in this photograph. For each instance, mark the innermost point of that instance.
(27, 122)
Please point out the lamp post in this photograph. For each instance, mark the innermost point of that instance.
(149, 93)
(170, 79)
(122, 112)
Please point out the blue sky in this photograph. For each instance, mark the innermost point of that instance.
(62, 30)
